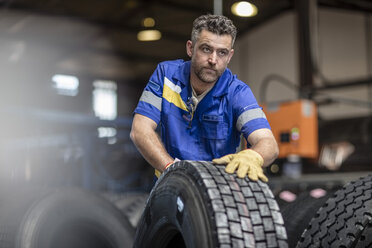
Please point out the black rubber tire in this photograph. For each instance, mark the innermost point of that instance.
(13, 205)
(198, 205)
(345, 220)
(131, 204)
(298, 214)
(66, 218)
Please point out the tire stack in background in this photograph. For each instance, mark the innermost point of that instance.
(345, 220)
(193, 204)
(298, 209)
(339, 217)
(63, 217)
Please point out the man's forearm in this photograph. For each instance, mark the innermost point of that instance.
(268, 149)
(151, 148)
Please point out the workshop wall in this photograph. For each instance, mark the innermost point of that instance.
(341, 52)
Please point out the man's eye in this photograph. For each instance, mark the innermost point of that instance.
(222, 53)
(206, 49)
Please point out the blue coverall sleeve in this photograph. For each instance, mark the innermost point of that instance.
(150, 102)
(248, 114)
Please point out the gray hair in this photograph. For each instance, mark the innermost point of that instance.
(216, 24)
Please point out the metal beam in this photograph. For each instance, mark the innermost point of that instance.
(217, 7)
(354, 5)
(345, 84)
(303, 8)
(182, 7)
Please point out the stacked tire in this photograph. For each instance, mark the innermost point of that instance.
(298, 214)
(74, 218)
(196, 204)
(345, 220)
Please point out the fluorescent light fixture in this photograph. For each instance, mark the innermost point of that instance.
(106, 132)
(149, 35)
(244, 9)
(105, 99)
(66, 85)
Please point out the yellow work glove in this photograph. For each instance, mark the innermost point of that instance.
(248, 162)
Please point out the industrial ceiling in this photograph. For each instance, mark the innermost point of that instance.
(120, 21)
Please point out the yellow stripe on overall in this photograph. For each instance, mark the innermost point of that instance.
(171, 93)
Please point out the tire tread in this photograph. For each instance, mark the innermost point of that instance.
(344, 219)
(247, 208)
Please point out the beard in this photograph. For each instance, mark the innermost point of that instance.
(207, 74)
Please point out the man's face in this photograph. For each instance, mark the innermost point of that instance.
(210, 55)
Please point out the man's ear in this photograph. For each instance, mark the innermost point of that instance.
(189, 48)
(230, 55)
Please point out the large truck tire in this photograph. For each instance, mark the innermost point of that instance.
(298, 214)
(62, 218)
(196, 204)
(345, 220)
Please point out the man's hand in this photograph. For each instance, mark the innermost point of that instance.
(158, 173)
(248, 162)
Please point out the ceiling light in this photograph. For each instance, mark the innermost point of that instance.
(148, 22)
(244, 9)
(148, 35)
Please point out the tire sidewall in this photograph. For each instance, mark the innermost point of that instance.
(176, 205)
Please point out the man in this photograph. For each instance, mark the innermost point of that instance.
(203, 109)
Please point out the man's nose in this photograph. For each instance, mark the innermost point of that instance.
(212, 58)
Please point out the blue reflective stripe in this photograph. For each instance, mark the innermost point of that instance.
(249, 115)
(152, 99)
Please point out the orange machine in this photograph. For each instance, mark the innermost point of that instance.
(295, 127)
